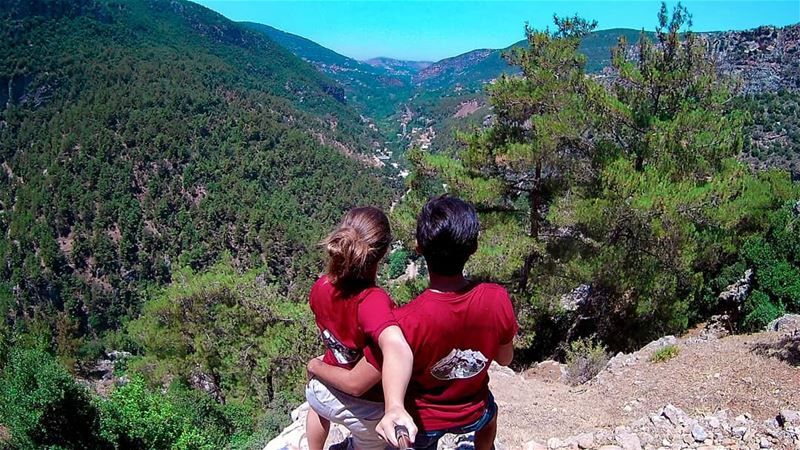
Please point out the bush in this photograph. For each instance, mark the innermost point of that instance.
(408, 290)
(42, 405)
(397, 263)
(760, 311)
(136, 417)
(665, 353)
(585, 359)
(244, 333)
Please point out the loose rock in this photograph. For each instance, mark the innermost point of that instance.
(789, 417)
(699, 433)
(534, 445)
(674, 414)
(629, 441)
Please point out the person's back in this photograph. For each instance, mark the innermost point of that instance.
(455, 330)
(349, 322)
(352, 314)
(454, 336)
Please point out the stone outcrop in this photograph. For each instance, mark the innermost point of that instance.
(100, 377)
(736, 293)
(293, 437)
(764, 58)
(788, 323)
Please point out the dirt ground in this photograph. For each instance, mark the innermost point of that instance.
(751, 374)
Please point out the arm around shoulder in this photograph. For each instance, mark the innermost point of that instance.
(398, 362)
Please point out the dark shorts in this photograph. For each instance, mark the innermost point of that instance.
(427, 440)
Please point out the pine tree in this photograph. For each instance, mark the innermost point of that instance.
(667, 105)
(541, 139)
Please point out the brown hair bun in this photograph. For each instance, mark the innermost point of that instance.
(356, 246)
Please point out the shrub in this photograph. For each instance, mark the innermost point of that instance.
(408, 290)
(42, 406)
(585, 359)
(397, 263)
(760, 311)
(665, 353)
(136, 417)
(234, 327)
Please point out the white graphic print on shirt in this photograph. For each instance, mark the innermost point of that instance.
(459, 364)
(343, 354)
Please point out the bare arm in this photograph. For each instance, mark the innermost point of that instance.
(355, 381)
(505, 354)
(397, 365)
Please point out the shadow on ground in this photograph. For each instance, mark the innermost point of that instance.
(787, 348)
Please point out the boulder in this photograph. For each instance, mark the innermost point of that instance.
(717, 327)
(203, 381)
(674, 414)
(628, 441)
(576, 298)
(585, 440)
(554, 443)
(787, 323)
(293, 437)
(737, 292)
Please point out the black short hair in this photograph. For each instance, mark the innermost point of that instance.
(447, 234)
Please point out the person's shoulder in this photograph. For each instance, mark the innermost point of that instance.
(492, 289)
(375, 293)
(321, 283)
(416, 303)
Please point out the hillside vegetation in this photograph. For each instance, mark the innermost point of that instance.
(166, 175)
(618, 211)
(374, 89)
(142, 139)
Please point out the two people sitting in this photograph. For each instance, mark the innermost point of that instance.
(423, 364)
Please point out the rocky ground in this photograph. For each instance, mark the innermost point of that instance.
(729, 392)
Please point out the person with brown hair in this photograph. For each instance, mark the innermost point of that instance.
(353, 314)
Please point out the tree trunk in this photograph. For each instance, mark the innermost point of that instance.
(535, 203)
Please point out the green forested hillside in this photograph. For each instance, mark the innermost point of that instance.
(473, 69)
(144, 136)
(141, 139)
(774, 130)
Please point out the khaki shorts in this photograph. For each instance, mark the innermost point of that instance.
(356, 414)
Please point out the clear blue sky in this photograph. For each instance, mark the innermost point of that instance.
(432, 30)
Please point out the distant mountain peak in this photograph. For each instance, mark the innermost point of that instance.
(399, 66)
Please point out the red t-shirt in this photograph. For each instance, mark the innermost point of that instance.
(454, 337)
(349, 324)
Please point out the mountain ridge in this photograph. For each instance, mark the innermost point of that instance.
(372, 88)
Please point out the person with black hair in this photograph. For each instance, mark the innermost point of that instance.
(455, 329)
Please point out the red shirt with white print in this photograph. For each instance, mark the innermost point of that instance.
(348, 323)
(454, 337)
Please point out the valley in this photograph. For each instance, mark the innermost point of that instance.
(168, 173)
(423, 103)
